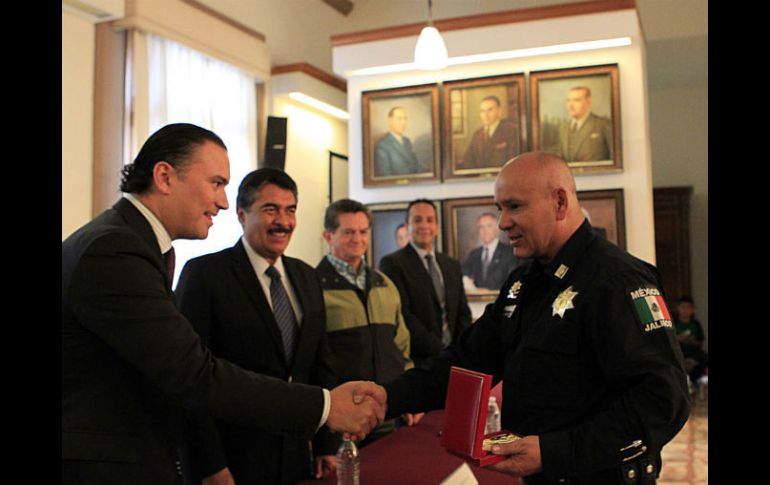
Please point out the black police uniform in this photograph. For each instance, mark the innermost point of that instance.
(589, 362)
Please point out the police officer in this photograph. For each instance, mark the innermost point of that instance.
(581, 338)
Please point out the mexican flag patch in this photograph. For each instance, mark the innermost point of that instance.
(650, 308)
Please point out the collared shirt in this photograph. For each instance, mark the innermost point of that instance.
(576, 124)
(357, 279)
(491, 247)
(161, 234)
(422, 253)
(260, 265)
(490, 130)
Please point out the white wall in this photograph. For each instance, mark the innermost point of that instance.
(77, 90)
(310, 135)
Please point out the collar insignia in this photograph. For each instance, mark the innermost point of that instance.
(513, 293)
(563, 302)
(561, 271)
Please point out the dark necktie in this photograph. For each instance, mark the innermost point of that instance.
(446, 336)
(170, 258)
(284, 315)
(484, 264)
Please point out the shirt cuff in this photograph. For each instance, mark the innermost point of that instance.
(327, 406)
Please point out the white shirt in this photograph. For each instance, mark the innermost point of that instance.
(491, 247)
(422, 253)
(161, 234)
(260, 265)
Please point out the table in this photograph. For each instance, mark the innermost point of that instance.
(413, 456)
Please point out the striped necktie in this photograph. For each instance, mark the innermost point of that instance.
(284, 315)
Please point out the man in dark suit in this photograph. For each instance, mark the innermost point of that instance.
(586, 137)
(495, 142)
(227, 296)
(430, 285)
(393, 154)
(488, 265)
(131, 363)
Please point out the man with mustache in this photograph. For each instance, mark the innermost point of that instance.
(131, 363)
(265, 312)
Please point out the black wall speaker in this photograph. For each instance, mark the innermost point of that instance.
(275, 142)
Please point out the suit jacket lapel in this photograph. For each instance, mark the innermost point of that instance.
(141, 226)
(244, 274)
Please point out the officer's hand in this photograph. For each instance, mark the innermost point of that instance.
(523, 457)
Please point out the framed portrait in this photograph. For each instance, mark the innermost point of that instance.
(605, 211)
(401, 135)
(484, 124)
(338, 176)
(389, 232)
(576, 115)
(473, 238)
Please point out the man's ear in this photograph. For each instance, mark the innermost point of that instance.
(562, 203)
(162, 174)
(327, 235)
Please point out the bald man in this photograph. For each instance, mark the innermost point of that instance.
(580, 335)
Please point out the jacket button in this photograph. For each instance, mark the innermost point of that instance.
(291, 378)
(632, 474)
(650, 469)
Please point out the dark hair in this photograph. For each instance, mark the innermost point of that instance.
(343, 206)
(686, 299)
(420, 201)
(173, 144)
(492, 98)
(403, 224)
(253, 182)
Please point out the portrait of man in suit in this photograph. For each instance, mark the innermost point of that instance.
(488, 265)
(393, 154)
(585, 136)
(264, 311)
(576, 115)
(495, 142)
(402, 235)
(401, 139)
(430, 284)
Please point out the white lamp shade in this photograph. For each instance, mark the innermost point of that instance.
(430, 52)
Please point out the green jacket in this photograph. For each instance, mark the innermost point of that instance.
(367, 334)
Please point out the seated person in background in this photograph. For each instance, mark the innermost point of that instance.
(367, 334)
(690, 335)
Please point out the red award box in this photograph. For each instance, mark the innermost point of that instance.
(465, 416)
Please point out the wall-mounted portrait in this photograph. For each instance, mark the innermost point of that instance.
(576, 115)
(473, 237)
(605, 211)
(484, 124)
(389, 231)
(401, 135)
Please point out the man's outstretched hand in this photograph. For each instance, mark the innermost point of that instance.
(357, 407)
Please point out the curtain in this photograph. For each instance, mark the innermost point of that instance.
(187, 86)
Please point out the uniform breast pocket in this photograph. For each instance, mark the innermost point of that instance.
(551, 371)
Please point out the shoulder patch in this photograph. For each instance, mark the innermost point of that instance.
(650, 308)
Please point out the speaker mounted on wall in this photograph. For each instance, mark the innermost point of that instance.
(275, 142)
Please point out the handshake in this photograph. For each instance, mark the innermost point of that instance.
(357, 407)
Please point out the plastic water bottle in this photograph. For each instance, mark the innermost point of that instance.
(348, 464)
(493, 416)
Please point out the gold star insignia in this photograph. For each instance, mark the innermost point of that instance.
(563, 302)
(514, 291)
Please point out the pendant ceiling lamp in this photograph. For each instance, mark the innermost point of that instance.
(430, 52)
